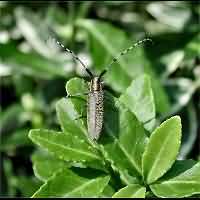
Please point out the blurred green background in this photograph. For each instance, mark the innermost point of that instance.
(33, 72)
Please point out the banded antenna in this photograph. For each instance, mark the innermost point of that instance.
(124, 52)
(75, 57)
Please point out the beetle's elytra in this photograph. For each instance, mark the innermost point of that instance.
(95, 108)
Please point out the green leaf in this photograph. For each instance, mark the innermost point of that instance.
(65, 183)
(45, 165)
(172, 61)
(138, 98)
(76, 86)
(41, 67)
(129, 145)
(64, 146)
(131, 191)
(123, 139)
(108, 191)
(162, 149)
(36, 34)
(185, 184)
(174, 15)
(127, 178)
(68, 117)
(69, 111)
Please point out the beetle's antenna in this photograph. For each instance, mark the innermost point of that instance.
(75, 57)
(102, 73)
(116, 59)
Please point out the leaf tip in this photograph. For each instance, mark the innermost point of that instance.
(177, 118)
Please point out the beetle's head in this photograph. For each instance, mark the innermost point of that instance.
(95, 84)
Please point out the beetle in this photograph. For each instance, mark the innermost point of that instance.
(95, 97)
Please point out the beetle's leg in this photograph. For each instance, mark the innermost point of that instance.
(78, 95)
(82, 110)
(80, 117)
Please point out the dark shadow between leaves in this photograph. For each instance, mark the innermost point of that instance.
(179, 167)
(88, 172)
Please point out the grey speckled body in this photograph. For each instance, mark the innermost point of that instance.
(95, 109)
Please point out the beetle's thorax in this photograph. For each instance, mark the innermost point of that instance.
(95, 84)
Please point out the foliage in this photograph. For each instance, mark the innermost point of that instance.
(142, 163)
(148, 86)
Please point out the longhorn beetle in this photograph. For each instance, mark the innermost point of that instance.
(95, 108)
